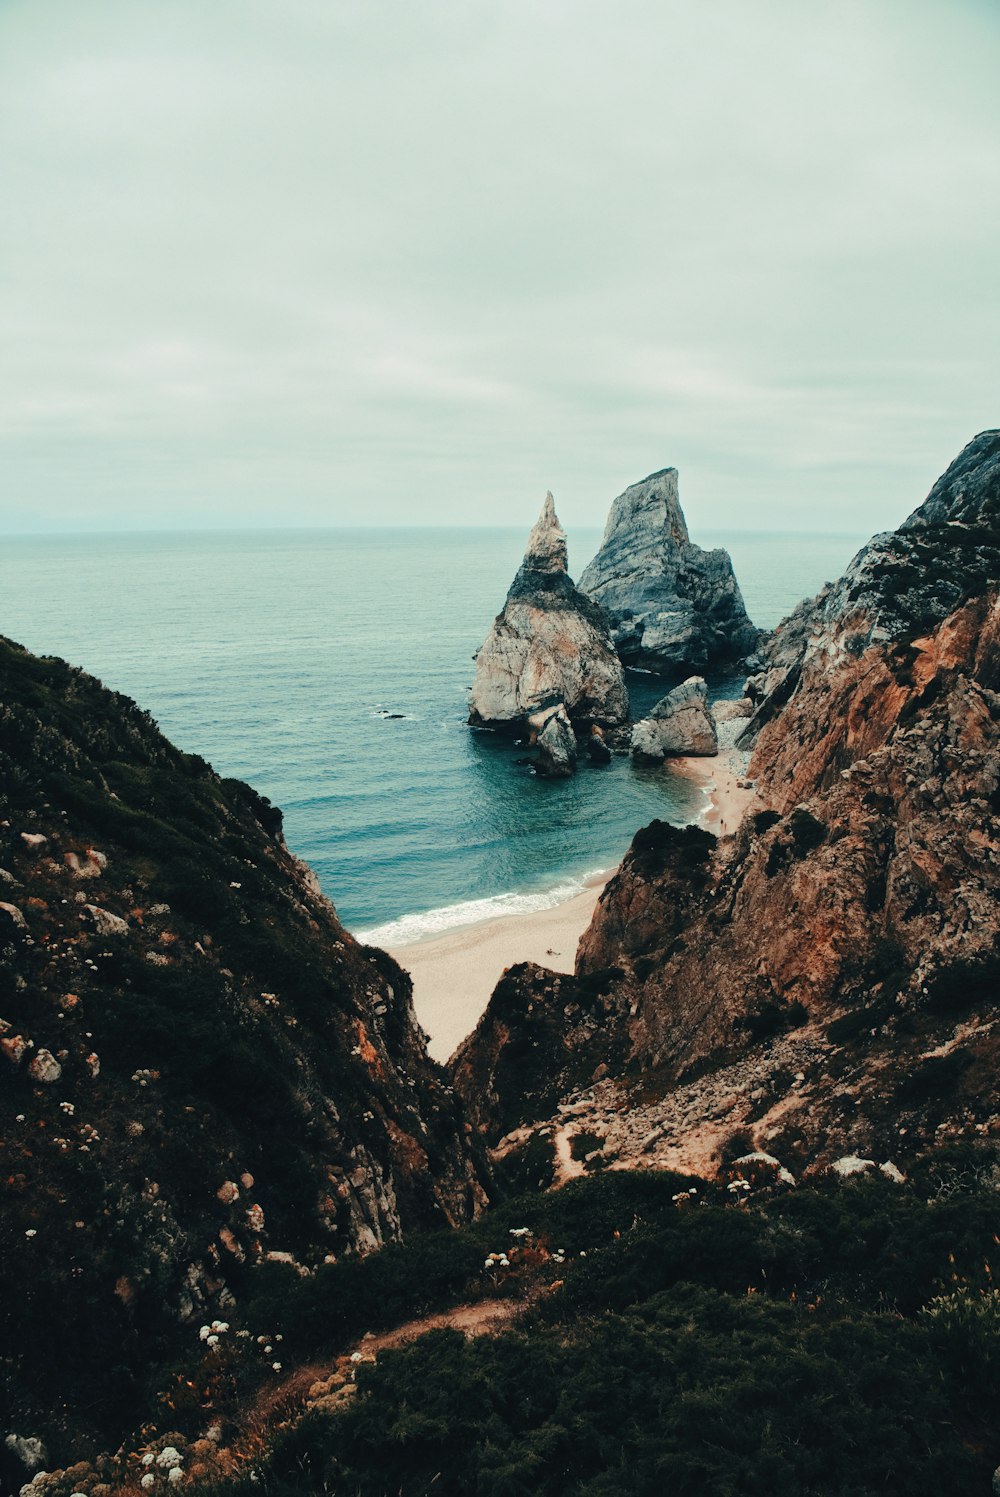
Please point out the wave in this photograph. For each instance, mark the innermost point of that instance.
(418, 927)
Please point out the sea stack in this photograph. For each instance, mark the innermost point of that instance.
(674, 608)
(549, 662)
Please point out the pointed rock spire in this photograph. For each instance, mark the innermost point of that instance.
(549, 648)
(547, 542)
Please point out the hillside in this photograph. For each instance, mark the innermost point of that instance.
(202, 1071)
(824, 983)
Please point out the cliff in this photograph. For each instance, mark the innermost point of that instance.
(825, 982)
(550, 648)
(673, 607)
(203, 1073)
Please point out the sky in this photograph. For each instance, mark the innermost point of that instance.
(396, 262)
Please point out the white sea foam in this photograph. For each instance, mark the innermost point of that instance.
(410, 928)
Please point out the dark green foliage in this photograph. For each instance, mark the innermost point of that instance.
(934, 1077)
(807, 830)
(772, 1018)
(659, 845)
(800, 835)
(837, 1340)
(859, 1021)
(531, 1167)
(693, 1393)
(763, 821)
(965, 985)
(583, 1144)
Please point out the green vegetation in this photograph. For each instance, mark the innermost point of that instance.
(837, 1339)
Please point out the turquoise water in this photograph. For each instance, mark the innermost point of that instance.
(274, 655)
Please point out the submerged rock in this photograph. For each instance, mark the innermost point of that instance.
(549, 650)
(680, 723)
(672, 605)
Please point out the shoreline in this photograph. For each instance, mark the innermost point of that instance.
(455, 971)
(718, 779)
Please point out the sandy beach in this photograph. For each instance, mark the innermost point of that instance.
(719, 779)
(454, 974)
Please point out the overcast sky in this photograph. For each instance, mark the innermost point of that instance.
(269, 262)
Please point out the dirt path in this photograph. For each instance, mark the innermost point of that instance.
(478, 1319)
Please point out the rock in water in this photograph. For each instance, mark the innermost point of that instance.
(550, 647)
(673, 607)
(680, 723)
(557, 750)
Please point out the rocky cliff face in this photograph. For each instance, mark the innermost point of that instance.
(825, 983)
(673, 607)
(550, 647)
(897, 591)
(202, 1072)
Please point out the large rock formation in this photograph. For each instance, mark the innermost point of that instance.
(680, 723)
(201, 1072)
(673, 607)
(825, 983)
(550, 647)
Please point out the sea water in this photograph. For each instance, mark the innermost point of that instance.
(331, 670)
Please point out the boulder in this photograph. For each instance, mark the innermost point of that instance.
(44, 1068)
(673, 607)
(549, 648)
(105, 923)
(680, 723)
(597, 748)
(557, 750)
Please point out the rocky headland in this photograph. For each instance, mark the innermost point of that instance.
(674, 608)
(548, 668)
(768, 1085)
(823, 983)
(203, 1076)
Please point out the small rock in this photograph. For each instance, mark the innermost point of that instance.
(557, 750)
(851, 1164)
(29, 1450)
(105, 923)
(91, 865)
(14, 1047)
(44, 1067)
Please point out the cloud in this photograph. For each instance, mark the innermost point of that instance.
(326, 262)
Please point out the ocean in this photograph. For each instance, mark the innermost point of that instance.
(330, 669)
